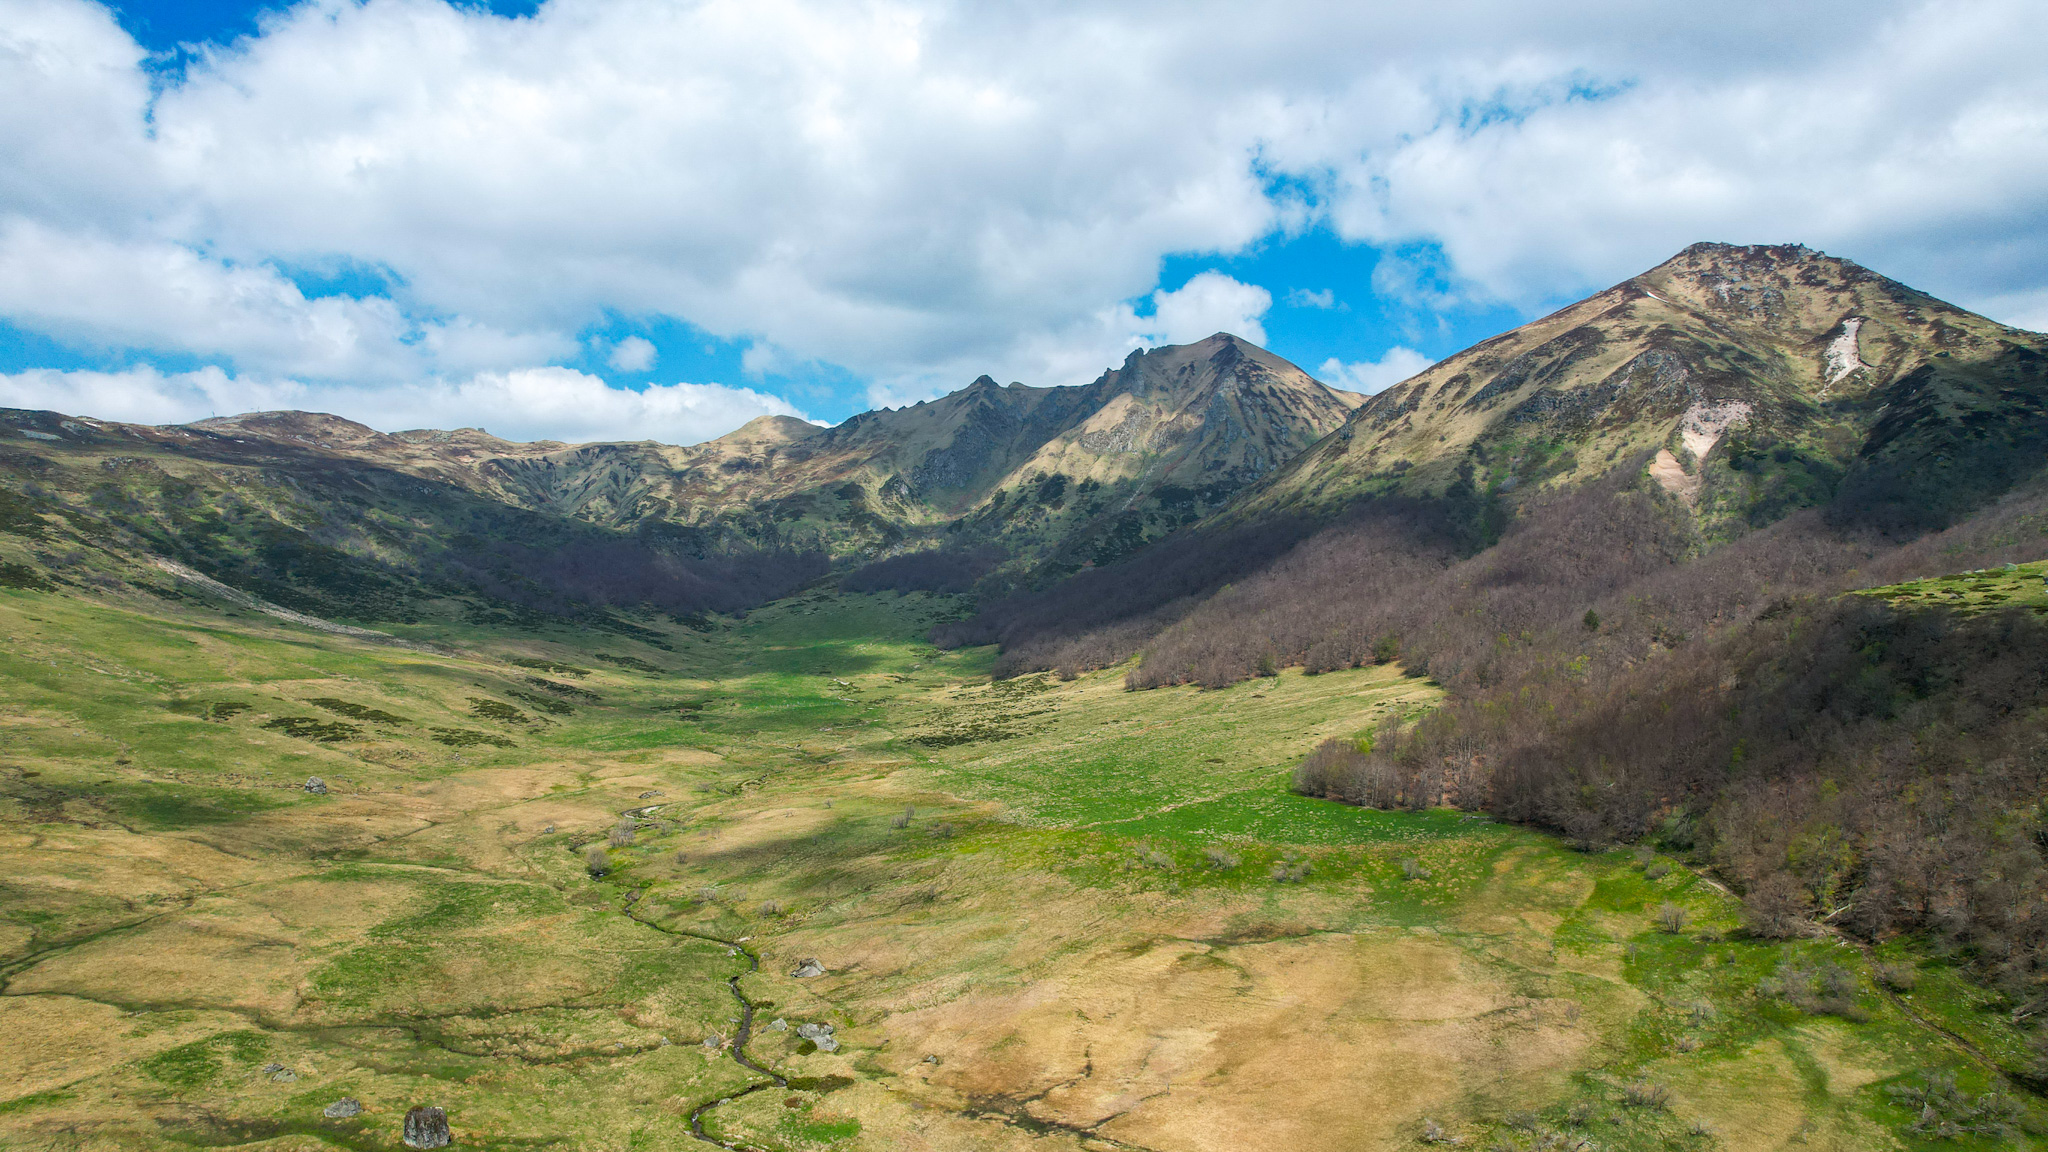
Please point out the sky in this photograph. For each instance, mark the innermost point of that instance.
(658, 219)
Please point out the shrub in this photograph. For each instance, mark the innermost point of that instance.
(1899, 977)
(1289, 871)
(595, 859)
(1413, 869)
(622, 833)
(1671, 918)
(1220, 858)
(1657, 871)
(1945, 1112)
(903, 818)
(1646, 1094)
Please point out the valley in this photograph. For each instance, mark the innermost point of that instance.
(1624, 734)
(1047, 914)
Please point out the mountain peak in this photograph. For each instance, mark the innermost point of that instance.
(1750, 374)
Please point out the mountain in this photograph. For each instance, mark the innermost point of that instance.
(1086, 472)
(1757, 380)
(331, 518)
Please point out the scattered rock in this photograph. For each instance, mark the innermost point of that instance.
(664, 1042)
(427, 1127)
(819, 1034)
(780, 1025)
(713, 1041)
(649, 795)
(284, 1076)
(342, 1109)
(316, 786)
(807, 968)
(550, 829)
(273, 1067)
(931, 1059)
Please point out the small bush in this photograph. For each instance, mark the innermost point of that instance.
(903, 818)
(1289, 871)
(622, 833)
(1657, 871)
(1901, 977)
(1671, 918)
(1948, 1113)
(1646, 1094)
(943, 831)
(1434, 1133)
(1827, 990)
(1220, 858)
(771, 907)
(1413, 869)
(596, 860)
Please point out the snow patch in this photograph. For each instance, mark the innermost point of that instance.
(1843, 356)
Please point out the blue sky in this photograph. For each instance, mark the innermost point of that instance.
(583, 219)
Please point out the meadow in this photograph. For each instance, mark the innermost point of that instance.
(555, 882)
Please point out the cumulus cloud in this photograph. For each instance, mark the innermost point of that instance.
(1370, 376)
(1207, 304)
(633, 354)
(525, 404)
(917, 191)
(1323, 300)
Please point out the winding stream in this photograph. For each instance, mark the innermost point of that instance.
(739, 1040)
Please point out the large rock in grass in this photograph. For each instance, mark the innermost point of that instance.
(342, 1109)
(819, 1034)
(807, 968)
(427, 1127)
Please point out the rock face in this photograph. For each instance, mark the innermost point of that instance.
(819, 1034)
(342, 1109)
(807, 968)
(427, 1127)
(316, 786)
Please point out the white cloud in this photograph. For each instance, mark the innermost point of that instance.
(526, 404)
(164, 297)
(1323, 300)
(1207, 304)
(918, 191)
(1370, 376)
(633, 354)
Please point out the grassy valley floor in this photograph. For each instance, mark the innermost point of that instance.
(1048, 915)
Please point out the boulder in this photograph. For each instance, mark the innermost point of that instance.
(819, 1034)
(427, 1127)
(342, 1109)
(779, 1025)
(316, 786)
(807, 968)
